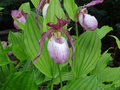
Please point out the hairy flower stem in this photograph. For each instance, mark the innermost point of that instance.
(61, 86)
(76, 27)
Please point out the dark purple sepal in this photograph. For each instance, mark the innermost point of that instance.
(94, 2)
(71, 41)
(37, 11)
(41, 41)
(60, 23)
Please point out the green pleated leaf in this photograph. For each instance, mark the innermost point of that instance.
(103, 31)
(86, 83)
(18, 49)
(25, 7)
(71, 8)
(87, 53)
(109, 75)
(54, 10)
(103, 62)
(4, 60)
(21, 81)
(32, 35)
(35, 3)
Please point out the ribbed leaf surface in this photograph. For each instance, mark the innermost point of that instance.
(88, 49)
(21, 81)
(86, 83)
(71, 8)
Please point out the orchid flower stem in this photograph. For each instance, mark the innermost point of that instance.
(76, 27)
(60, 77)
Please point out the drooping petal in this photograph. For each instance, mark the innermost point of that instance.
(60, 23)
(41, 41)
(37, 11)
(88, 22)
(58, 49)
(71, 42)
(44, 10)
(94, 2)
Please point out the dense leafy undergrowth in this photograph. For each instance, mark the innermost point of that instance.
(89, 70)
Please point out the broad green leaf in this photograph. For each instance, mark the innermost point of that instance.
(4, 59)
(21, 81)
(18, 46)
(25, 7)
(32, 35)
(103, 31)
(35, 3)
(117, 41)
(109, 75)
(54, 10)
(103, 62)
(71, 8)
(87, 53)
(86, 83)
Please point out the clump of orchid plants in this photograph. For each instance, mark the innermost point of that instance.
(57, 45)
(87, 21)
(20, 15)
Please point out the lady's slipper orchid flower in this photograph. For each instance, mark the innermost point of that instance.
(20, 16)
(87, 21)
(57, 45)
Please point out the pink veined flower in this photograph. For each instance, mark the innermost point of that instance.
(87, 21)
(57, 45)
(20, 16)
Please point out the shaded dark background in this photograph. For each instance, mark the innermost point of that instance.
(107, 13)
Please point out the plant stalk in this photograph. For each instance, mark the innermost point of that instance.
(60, 77)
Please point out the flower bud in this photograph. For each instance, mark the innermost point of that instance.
(87, 21)
(44, 10)
(58, 49)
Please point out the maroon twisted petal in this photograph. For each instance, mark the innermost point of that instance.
(60, 23)
(94, 2)
(37, 11)
(41, 41)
